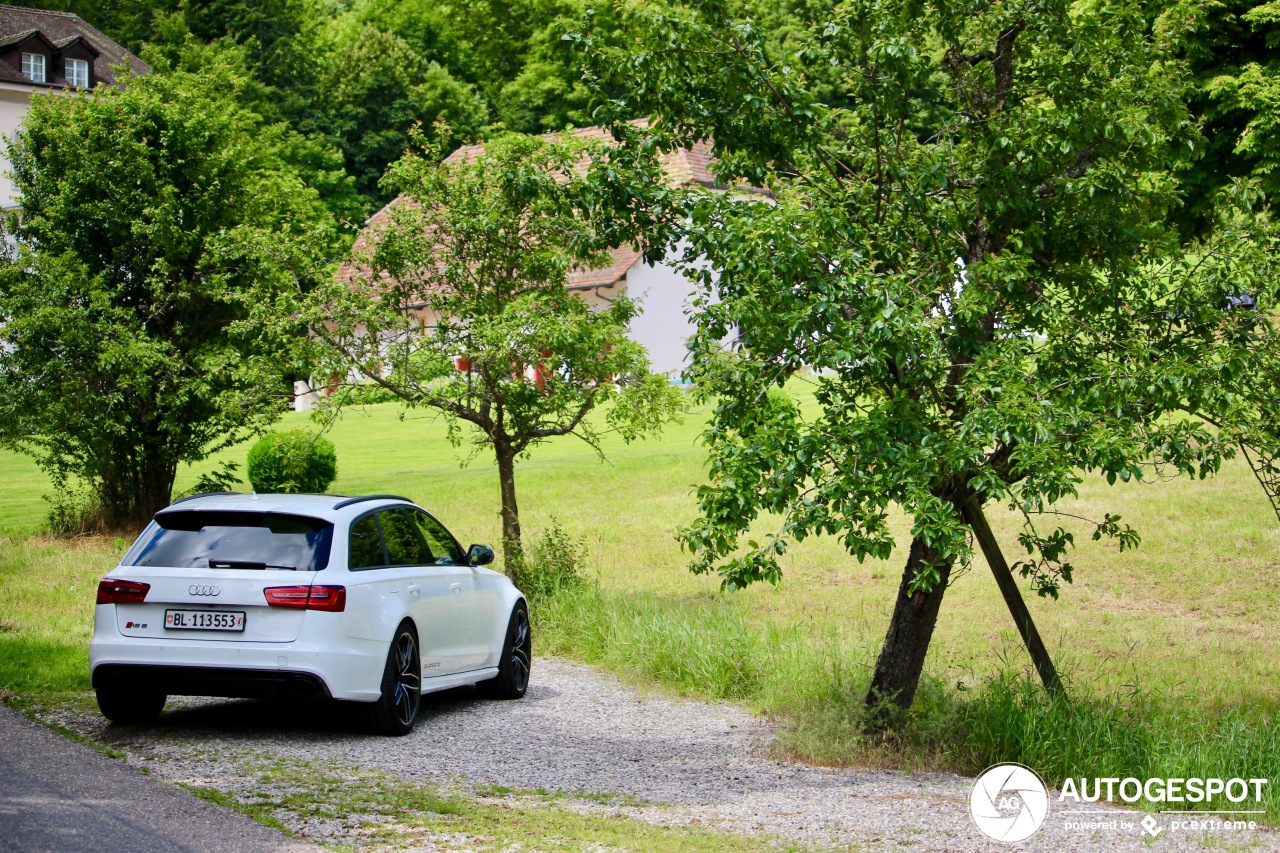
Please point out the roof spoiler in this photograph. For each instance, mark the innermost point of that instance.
(350, 501)
(201, 495)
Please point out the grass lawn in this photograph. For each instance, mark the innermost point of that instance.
(1185, 626)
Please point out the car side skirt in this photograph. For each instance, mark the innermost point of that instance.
(458, 679)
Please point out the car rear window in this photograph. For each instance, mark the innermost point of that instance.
(204, 539)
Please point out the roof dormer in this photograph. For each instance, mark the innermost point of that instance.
(30, 53)
(61, 51)
(75, 59)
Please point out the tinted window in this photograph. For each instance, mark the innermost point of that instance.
(365, 547)
(443, 546)
(204, 539)
(405, 546)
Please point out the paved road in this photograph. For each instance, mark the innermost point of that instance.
(58, 795)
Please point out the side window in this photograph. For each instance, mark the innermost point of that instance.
(444, 546)
(366, 545)
(405, 546)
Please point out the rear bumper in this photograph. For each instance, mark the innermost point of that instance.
(344, 667)
(212, 681)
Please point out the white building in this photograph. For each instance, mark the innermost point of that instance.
(45, 52)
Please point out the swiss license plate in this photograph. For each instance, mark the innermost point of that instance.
(204, 620)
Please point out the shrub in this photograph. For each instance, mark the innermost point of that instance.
(554, 564)
(294, 462)
(75, 512)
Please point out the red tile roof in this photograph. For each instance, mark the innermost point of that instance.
(622, 259)
(685, 166)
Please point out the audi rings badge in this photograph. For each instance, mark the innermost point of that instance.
(204, 589)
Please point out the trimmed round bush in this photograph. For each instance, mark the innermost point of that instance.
(294, 462)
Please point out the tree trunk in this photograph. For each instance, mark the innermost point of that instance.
(897, 673)
(130, 497)
(157, 490)
(511, 545)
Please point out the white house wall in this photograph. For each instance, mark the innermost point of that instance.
(14, 101)
(662, 326)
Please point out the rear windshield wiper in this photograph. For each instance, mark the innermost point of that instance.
(246, 564)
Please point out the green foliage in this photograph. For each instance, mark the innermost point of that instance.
(1230, 48)
(374, 88)
(554, 564)
(349, 79)
(293, 462)
(548, 91)
(482, 250)
(74, 512)
(220, 479)
(354, 394)
(311, 155)
(271, 32)
(991, 306)
(154, 219)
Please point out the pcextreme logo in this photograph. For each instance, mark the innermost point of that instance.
(1009, 802)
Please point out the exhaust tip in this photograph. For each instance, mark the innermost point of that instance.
(302, 688)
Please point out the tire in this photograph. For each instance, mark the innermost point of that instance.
(517, 656)
(130, 707)
(396, 710)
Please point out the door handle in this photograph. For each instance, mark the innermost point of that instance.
(456, 587)
(413, 588)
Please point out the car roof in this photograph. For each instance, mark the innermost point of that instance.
(327, 507)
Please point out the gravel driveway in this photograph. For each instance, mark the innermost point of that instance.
(676, 762)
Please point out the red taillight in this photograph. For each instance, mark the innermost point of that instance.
(288, 596)
(332, 599)
(112, 591)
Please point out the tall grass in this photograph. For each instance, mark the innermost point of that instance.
(815, 687)
(47, 593)
(1142, 736)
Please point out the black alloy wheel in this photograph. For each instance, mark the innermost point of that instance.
(517, 658)
(396, 710)
(130, 706)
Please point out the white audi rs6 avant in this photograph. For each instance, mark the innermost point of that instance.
(365, 599)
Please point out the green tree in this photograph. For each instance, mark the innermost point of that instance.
(272, 33)
(374, 88)
(307, 150)
(154, 216)
(482, 248)
(548, 92)
(1232, 50)
(994, 305)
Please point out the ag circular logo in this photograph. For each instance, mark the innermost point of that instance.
(1009, 802)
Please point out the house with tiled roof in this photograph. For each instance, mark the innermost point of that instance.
(50, 53)
(660, 290)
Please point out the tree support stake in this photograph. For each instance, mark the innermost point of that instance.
(977, 522)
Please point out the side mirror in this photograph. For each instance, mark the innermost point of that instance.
(480, 555)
